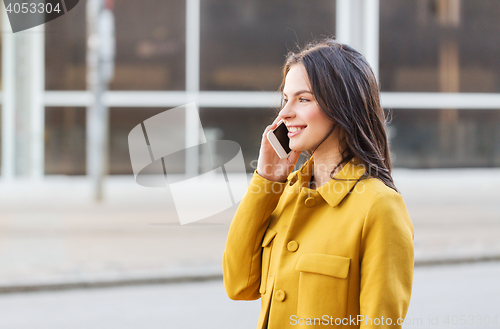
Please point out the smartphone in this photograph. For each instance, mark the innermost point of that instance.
(278, 137)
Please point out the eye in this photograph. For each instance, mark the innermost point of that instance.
(302, 99)
(285, 100)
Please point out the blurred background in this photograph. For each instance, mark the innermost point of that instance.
(439, 73)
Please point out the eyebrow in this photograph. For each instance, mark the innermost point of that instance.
(301, 92)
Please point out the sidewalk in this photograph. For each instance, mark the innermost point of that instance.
(54, 237)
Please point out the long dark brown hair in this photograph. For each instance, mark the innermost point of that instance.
(347, 92)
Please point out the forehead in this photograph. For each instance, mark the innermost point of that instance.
(296, 79)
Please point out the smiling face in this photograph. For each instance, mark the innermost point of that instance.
(306, 123)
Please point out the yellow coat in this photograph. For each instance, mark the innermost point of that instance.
(322, 257)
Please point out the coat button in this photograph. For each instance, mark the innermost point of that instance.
(310, 202)
(280, 295)
(292, 246)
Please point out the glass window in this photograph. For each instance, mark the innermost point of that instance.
(65, 51)
(65, 140)
(244, 126)
(244, 43)
(150, 41)
(445, 138)
(439, 45)
(122, 121)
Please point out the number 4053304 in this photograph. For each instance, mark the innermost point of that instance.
(471, 320)
(32, 8)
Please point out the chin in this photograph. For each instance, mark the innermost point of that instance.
(299, 148)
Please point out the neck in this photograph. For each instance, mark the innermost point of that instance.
(324, 164)
(326, 157)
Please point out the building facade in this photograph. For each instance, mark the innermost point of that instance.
(436, 60)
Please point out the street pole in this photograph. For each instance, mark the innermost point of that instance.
(100, 62)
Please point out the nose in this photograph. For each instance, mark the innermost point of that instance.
(286, 112)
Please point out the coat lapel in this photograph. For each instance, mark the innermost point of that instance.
(334, 191)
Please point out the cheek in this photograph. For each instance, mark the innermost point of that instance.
(313, 115)
(317, 119)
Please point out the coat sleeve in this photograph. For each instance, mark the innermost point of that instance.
(387, 260)
(241, 261)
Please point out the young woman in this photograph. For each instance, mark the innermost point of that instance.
(331, 243)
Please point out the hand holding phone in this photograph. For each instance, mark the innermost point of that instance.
(278, 137)
(272, 165)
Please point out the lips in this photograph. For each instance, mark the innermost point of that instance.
(295, 130)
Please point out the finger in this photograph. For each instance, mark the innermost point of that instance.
(276, 121)
(267, 130)
(272, 126)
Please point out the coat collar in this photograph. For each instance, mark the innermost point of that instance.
(335, 190)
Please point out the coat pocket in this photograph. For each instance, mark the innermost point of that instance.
(266, 258)
(323, 285)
